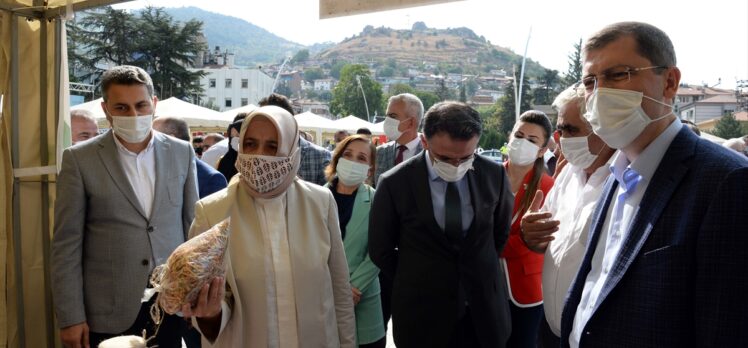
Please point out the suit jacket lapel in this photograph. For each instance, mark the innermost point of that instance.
(475, 201)
(596, 226)
(422, 189)
(109, 155)
(665, 180)
(361, 208)
(164, 166)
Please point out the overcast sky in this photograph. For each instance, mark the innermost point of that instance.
(710, 37)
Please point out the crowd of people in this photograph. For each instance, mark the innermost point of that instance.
(616, 227)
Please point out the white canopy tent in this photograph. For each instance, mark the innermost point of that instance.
(196, 116)
(352, 123)
(310, 122)
(230, 114)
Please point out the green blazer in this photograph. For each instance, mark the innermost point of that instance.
(363, 272)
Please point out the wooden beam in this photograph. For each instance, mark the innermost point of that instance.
(341, 8)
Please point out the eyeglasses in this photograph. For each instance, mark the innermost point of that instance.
(453, 161)
(615, 74)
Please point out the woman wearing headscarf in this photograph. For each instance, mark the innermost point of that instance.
(352, 165)
(286, 279)
(523, 268)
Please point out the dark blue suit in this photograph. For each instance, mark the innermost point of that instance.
(681, 277)
(209, 180)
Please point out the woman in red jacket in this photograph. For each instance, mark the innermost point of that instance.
(526, 168)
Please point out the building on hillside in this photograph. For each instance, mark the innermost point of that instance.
(293, 80)
(230, 88)
(313, 106)
(493, 94)
(688, 96)
(481, 100)
(214, 59)
(324, 84)
(708, 108)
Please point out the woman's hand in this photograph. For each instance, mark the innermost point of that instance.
(356, 295)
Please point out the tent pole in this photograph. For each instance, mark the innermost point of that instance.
(14, 116)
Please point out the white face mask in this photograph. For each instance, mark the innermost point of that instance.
(132, 129)
(235, 143)
(391, 128)
(522, 152)
(617, 117)
(263, 173)
(577, 152)
(351, 173)
(450, 173)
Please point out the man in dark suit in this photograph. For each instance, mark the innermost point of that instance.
(438, 224)
(209, 180)
(665, 264)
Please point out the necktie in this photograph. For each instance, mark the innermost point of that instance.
(399, 157)
(452, 213)
(629, 181)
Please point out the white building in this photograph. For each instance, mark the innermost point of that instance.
(324, 84)
(230, 88)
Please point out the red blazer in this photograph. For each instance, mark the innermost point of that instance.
(523, 267)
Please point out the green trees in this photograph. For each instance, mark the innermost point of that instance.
(505, 111)
(574, 74)
(728, 127)
(300, 56)
(347, 98)
(152, 40)
(545, 94)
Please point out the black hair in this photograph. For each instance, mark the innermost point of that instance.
(278, 100)
(458, 120)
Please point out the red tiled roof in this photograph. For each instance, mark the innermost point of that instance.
(741, 116)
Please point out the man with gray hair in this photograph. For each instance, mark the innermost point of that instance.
(209, 180)
(125, 202)
(559, 228)
(404, 113)
(82, 125)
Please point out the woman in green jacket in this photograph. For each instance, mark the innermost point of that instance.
(352, 165)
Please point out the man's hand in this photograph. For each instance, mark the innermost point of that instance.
(356, 295)
(75, 336)
(537, 228)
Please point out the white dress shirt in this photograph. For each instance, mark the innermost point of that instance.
(140, 169)
(572, 200)
(213, 154)
(412, 148)
(611, 240)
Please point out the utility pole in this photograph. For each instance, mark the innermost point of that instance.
(358, 79)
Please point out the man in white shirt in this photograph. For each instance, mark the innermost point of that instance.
(665, 261)
(125, 201)
(560, 228)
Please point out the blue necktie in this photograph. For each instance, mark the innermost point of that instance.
(628, 182)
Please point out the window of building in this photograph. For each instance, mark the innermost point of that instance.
(245, 101)
(212, 83)
(228, 83)
(245, 83)
(227, 103)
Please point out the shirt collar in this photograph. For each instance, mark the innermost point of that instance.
(430, 167)
(413, 143)
(648, 161)
(122, 148)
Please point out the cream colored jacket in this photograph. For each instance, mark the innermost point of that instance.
(324, 304)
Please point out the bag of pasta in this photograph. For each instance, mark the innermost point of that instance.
(191, 265)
